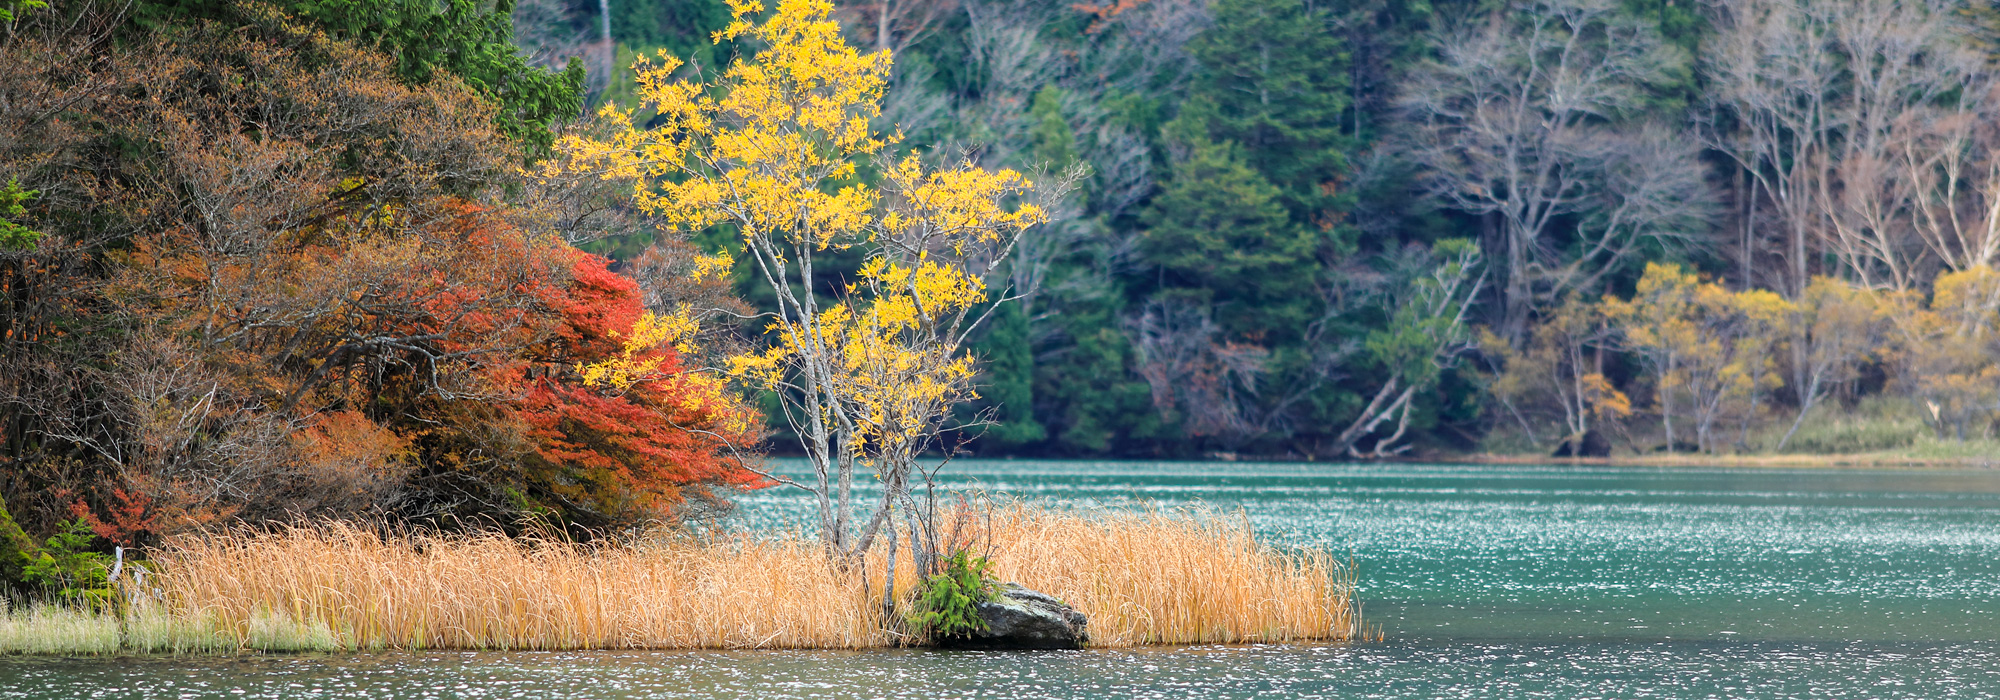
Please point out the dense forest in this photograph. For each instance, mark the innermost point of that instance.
(1253, 266)
(317, 256)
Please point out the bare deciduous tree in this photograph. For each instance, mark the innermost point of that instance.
(1210, 384)
(1772, 78)
(892, 25)
(1955, 174)
(1858, 124)
(1533, 119)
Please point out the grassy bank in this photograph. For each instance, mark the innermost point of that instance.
(1875, 432)
(1143, 578)
(1901, 459)
(51, 629)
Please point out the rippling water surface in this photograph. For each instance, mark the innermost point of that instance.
(1490, 581)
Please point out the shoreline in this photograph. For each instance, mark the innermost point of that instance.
(1844, 461)
(1860, 460)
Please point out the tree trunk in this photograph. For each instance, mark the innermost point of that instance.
(1490, 239)
(1666, 399)
(1806, 404)
(1747, 190)
(882, 26)
(1519, 297)
(889, 581)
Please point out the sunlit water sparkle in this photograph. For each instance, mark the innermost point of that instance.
(1490, 581)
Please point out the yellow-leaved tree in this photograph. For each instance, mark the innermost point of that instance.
(1562, 364)
(1709, 349)
(1834, 326)
(1946, 355)
(771, 147)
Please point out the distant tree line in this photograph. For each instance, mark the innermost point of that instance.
(1271, 178)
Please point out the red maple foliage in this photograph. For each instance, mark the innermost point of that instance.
(314, 291)
(128, 517)
(649, 446)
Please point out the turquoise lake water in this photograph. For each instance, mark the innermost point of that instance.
(1489, 581)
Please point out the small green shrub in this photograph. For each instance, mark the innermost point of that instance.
(67, 568)
(947, 603)
(1878, 424)
(14, 236)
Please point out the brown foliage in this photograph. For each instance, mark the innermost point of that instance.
(277, 281)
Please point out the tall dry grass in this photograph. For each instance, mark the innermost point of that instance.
(1141, 577)
(1174, 577)
(493, 592)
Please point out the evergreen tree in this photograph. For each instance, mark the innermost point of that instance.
(1008, 386)
(1090, 398)
(643, 28)
(1055, 142)
(1274, 80)
(1219, 236)
(681, 27)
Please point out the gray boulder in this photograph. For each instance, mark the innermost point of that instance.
(1020, 618)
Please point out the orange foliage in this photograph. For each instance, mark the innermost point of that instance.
(317, 291)
(1100, 14)
(128, 516)
(649, 442)
(595, 455)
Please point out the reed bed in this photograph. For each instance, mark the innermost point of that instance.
(493, 592)
(1142, 577)
(53, 629)
(1174, 577)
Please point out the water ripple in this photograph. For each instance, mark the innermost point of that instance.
(1516, 581)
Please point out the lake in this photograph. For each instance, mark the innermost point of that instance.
(1489, 581)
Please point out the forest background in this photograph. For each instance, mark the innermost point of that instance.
(1240, 276)
(265, 259)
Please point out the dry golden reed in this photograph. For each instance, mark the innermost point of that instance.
(1141, 577)
(1173, 577)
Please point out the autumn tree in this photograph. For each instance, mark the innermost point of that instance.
(1709, 349)
(1946, 355)
(1835, 325)
(1562, 365)
(311, 295)
(867, 378)
(471, 42)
